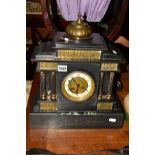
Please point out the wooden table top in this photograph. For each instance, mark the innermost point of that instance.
(69, 141)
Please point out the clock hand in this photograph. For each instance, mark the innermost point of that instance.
(77, 85)
(77, 88)
(75, 82)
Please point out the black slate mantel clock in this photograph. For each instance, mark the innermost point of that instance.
(76, 84)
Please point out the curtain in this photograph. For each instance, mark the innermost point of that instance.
(93, 9)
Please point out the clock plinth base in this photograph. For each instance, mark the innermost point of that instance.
(84, 119)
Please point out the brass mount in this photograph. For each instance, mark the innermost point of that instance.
(78, 30)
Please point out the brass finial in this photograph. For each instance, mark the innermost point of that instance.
(79, 30)
(79, 18)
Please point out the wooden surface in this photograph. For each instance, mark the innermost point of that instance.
(69, 141)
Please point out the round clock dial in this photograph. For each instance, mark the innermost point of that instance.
(78, 86)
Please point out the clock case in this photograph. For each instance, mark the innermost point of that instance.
(92, 113)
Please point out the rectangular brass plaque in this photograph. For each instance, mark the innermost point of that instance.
(104, 106)
(109, 67)
(79, 55)
(47, 107)
(48, 66)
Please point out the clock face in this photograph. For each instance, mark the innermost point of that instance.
(78, 86)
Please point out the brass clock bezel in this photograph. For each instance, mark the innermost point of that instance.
(74, 97)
